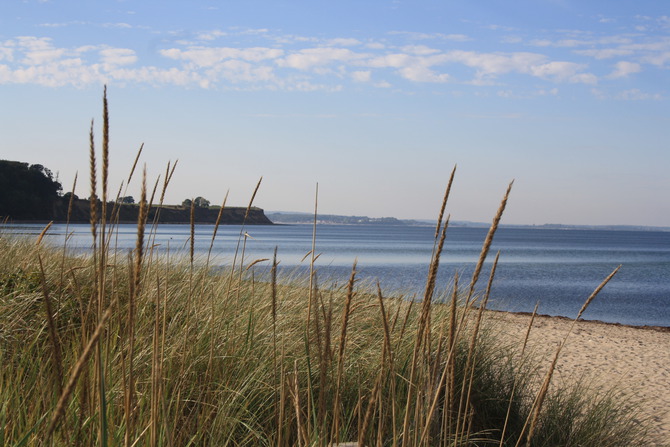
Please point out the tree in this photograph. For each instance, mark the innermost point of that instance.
(67, 196)
(201, 202)
(186, 203)
(127, 199)
(27, 191)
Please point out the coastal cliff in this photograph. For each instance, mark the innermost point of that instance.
(128, 213)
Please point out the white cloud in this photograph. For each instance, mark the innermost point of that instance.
(62, 24)
(421, 73)
(431, 36)
(622, 69)
(361, 76)
(598, 93)
(254, 31)
(112, 57)
(375, 45)
(660, 59)
(207, 57)
(395, 60)
(550, 92)
(310, 58)
(637, 95)
(211, 35)
(455, 37)
(584, 78)
(491, 65)
(606, 53)
(560, 71)
(237, 71)
(121, 25)
(343, 42)
(413, 67)
(495, 64)
(155, 76)
(6, 54)
(306, 63)
(541, 43)
(38, 51)
(511, 39)
(419, 50)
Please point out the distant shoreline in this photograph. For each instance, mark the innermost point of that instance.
(294, 218)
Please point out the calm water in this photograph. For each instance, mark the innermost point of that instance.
(558, 268)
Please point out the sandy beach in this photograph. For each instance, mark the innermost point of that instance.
(636, 359)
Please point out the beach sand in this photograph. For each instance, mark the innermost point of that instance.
(636, 359)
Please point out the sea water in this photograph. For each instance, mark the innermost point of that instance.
(557, 268)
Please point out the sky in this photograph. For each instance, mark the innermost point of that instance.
(375, 101)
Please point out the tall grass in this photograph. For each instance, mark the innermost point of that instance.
(154, 349)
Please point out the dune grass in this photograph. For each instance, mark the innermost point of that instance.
(154, 348)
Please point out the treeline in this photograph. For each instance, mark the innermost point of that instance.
(28, 192)
(31, 193)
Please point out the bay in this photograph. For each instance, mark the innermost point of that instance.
(557, 268)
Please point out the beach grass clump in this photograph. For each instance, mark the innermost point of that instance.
(223, 361)
(150, 347)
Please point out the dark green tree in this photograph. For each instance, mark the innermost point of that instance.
(201, 202)
(27, 191)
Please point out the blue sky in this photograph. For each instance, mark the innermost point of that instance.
(374, 100)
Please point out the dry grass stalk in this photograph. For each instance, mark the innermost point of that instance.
(71, 202)
(469, 363)
(346, 313)
(43, 233)
(137, 158)
(77, 370)
(542, 394)
(216, 227)
(444, 202)
(487, 244)
(99, 288)
(239, 240)
(53, 335)
(312, 259)
(421, 335)
(516, 381)
(105, 148)
(103, 214)
(153, 193)
(137, 273)
(251, 201)
(191, 250)
(310, 300)
(212, 304)
(156, 362)
(374, 399)
(294, 389)
(93, 198)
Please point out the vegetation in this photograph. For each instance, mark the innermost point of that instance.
(30, 193)
(149, 349)
(27, 191)
(199, 202)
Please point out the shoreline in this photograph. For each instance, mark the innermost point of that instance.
(608, 323)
